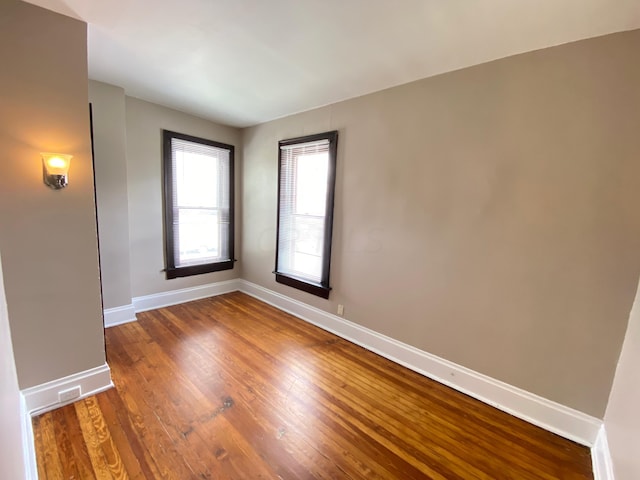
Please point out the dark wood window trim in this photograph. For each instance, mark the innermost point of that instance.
(323, 288)
(171, 270)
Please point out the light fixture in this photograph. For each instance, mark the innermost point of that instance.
(55, 168)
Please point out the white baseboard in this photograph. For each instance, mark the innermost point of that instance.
(551, 416)
(119, 315)
(601, 457)
(28, 443)
(174, 297)
(42, 398)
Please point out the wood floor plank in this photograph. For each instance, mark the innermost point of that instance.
(50, 455)
(40, 447)
(92, 441)
(242, 365)
(264, 428)
(445, 435)
(125, 442)
(231, 388)
(155, 431)
(79, 446)
(110, 453)
(518, 441)
(436, 450)
(65, 449)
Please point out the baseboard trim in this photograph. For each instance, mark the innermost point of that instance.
(554, 417)
(28, 443)
(43, 398)
(174, 297)
(551, 416)
(601, 457)
(119, 315)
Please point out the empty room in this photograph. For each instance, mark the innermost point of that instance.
(304, 239)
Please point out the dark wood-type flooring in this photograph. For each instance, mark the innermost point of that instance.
(231, 388)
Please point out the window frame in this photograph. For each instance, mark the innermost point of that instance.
(168, 194)
(323, 288)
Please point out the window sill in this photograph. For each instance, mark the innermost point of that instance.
(198, 269)
(304, 285)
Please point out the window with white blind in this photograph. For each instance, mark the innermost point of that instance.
(307, 170)
(198, 201)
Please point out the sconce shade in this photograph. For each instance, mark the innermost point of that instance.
(55, 169)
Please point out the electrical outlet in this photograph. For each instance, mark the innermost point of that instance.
(69, 394)
(340, 310)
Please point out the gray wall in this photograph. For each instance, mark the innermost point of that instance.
(488, 216)
(622, 418)
(109, 144)
(144, 124)
(48, 238)
(11, 454)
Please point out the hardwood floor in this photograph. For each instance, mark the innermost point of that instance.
(231, 388)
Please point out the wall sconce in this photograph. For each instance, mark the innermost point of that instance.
(55, 168)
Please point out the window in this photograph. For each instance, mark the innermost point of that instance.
(198, 201)
(307, 172)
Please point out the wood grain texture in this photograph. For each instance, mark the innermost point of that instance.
(231, 388)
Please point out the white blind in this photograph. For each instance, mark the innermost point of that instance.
(200, 203)
(304, 170)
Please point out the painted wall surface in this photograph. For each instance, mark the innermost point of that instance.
(622, 418)
(109, 144)
(144, 124)
(11, 454)
(488, 216)
(48, 238)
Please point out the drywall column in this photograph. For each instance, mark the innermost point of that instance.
(109, 144)
(622, 419)
(48, 238)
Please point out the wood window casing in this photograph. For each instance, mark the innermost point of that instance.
(223, 209)
(290, 153)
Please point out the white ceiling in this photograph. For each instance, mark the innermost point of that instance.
(242, 62)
